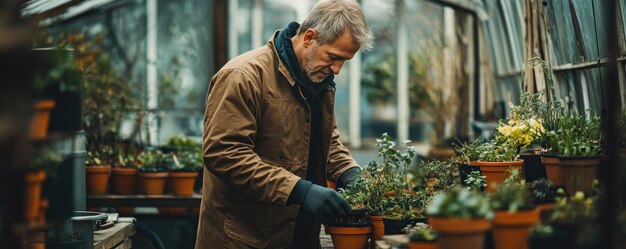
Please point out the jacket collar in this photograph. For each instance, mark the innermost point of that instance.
(288, 62)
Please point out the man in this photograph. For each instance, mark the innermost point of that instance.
(270, 140)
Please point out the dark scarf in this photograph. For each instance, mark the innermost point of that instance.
(283, 45)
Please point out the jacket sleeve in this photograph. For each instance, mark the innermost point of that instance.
(230, 124)
(339, 158)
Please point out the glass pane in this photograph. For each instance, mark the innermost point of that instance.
(427, 69)
(276, 16)
(561, 29)
(600, 12)
(182, 65)
(378, 85)
(585, 14)
(244, 26)
(622, 4)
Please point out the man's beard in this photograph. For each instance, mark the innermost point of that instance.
(312, 73)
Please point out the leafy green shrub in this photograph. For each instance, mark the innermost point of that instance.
(420, 232)
(512, 195)
(460, 203)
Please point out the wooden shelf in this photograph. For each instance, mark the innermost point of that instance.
(144, 201)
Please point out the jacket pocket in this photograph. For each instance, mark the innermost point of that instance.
(297, 168)
(240, 235)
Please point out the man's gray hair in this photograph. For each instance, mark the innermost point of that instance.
(330, 18)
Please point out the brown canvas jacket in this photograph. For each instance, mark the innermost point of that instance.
(255, 148)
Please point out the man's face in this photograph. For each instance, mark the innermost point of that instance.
(323, 59)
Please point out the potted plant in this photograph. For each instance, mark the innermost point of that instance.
(563, 226)
(184, 171)
(184, 144)
(153, 171)
(525, 129)
(421, 236)
(494, 158)
(543, 194)
(403, 209)
(386, 178)
(460, 217)
(60, 78)
(380, 88)
(352, 231)
(550, 115)
(44, 160)
(578, 147)
(98, 169)
(514, 213)
(124, 174)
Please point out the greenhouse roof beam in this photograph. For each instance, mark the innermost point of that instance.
(474, 6)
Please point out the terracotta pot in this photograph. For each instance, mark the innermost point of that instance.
(32, 194)
(389, 194)
(153, 182)
(423, 245)
(460, 233)
(545, 211)
(496, 172)
(182, 182)
(97, 178)
(123, 180)
(511, 230)
(378, 226)
(579, 173)
(349, 237)
(41, 118)
(553, 169)
(37, 245)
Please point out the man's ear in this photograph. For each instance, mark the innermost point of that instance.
(310, 36)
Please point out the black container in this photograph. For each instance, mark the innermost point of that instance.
(393, 226)
(533, 168)
(465, 170)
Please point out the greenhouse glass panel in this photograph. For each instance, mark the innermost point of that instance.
(378, 75)
(600, 14)
(183, 66)
(622, 4)
(593, 80)
(427, 69)
(586, 21)
(561, 31)
(277, 14)
(244, 26)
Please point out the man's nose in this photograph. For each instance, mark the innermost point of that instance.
(336, 67)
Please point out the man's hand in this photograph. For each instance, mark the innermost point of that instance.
(325, 203)
(349, 176)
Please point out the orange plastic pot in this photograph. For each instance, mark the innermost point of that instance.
(423, 245)
(41, 118)
(97, 178)
(349, 237)
(330, 184)
(182, 182)
(460, 233)
(123, 180)
(496, 172)
(378, 226)
(32, 195)
(553, 169)
(153, 182)
(579, 173)
(511, 229)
